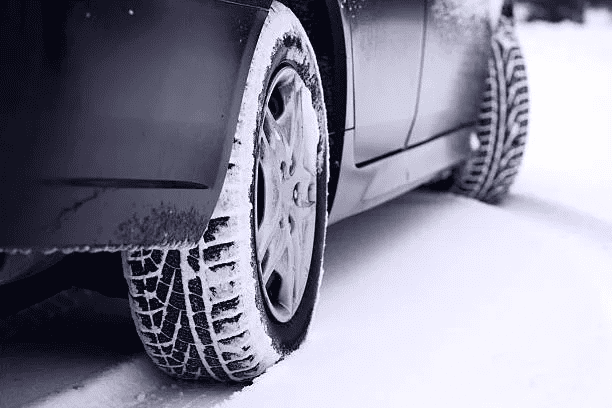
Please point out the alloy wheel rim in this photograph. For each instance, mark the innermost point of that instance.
(285, 193)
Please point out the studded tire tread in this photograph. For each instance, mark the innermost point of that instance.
(193, 324)
(502, 123)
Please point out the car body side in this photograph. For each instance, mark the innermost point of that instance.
(119, 117)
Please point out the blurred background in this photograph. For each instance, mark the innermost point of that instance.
(559, 10)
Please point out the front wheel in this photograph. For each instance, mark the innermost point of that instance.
(502, 124)
(242, 298)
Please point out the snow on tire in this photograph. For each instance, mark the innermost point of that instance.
(206, 312)
(502, 123)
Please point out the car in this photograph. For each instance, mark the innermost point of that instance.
(210, 143)
(556, 11)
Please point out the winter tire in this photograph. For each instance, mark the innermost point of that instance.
(243, 297)
(502, 123)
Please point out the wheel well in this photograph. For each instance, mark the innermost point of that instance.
(323, 24)
(508, 9)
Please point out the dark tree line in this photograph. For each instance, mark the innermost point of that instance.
(559, 10)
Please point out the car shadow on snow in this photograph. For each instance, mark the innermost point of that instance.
(76, 339)
(61, 341)
(557, 215)
(356, 239)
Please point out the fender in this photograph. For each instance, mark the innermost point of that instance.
(118, 119)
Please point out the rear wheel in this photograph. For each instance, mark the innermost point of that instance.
(243, 297)
(502, 125)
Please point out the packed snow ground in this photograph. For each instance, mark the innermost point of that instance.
(431, 299)
(569, 156)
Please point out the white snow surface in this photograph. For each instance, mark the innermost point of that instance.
(436, 300)
(569, 156)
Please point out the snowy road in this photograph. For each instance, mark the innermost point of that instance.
(429, 300)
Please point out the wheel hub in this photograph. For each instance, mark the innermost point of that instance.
(285, 193)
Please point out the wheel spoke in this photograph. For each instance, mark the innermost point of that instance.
(271, 198)
(297, 124)
(292, 119)
(268, 245)
(272, 185)
(269, 161)
(272, 255)
(303, 228)
(286, 295)
(276, 134)
(310, 137)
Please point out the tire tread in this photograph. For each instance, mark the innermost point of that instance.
(202, 332)
(502, 124)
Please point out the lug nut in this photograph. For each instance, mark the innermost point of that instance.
(312, 193)
(296, 194)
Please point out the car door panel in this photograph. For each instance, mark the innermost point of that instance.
(387, 38)
(454, 67)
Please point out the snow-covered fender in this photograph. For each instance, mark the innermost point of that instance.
(117, 118)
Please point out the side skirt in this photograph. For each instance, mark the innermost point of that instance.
(361, 188)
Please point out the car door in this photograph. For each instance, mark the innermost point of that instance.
(454, 67)
(387, 42)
